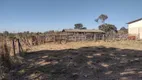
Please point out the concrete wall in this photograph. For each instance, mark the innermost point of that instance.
(135, 29)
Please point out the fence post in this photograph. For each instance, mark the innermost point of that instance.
(95, 37)
(19, 46)
(13, 45)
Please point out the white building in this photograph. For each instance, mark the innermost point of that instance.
(135, 28)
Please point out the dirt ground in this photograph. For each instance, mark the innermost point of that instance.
(90, 60)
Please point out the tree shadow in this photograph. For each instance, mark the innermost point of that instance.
(86, 63)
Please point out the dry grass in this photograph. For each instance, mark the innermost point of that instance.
(137, 45)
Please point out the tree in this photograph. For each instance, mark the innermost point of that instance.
(123, 30)
(110, 31)
(84, 28)
(108, 27)
(102, 17)
(78, 26)
(6, 33)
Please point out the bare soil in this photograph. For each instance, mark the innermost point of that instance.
(119, 60)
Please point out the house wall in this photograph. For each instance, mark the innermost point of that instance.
(135, 29)
(140, 33)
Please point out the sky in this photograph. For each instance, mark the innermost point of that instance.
(44, 15)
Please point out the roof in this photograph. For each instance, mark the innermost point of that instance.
(83, 30)
(134, 21)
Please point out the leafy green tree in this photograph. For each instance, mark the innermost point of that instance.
(105, 27)
(102, 17)
(108, 27)
(78, 26)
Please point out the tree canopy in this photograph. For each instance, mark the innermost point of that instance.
(6, 33)
(108, 27)
(123, 30)
(79, 26)
(102, 17)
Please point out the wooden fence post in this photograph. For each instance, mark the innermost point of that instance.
(95, 37)
(13, 45)
(19, 46)
(103, 37)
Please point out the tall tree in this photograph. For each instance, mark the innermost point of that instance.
(79, 26)
(102, 17)
(105, 27)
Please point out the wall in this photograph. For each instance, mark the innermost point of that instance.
(140, 33)
(135, 29)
